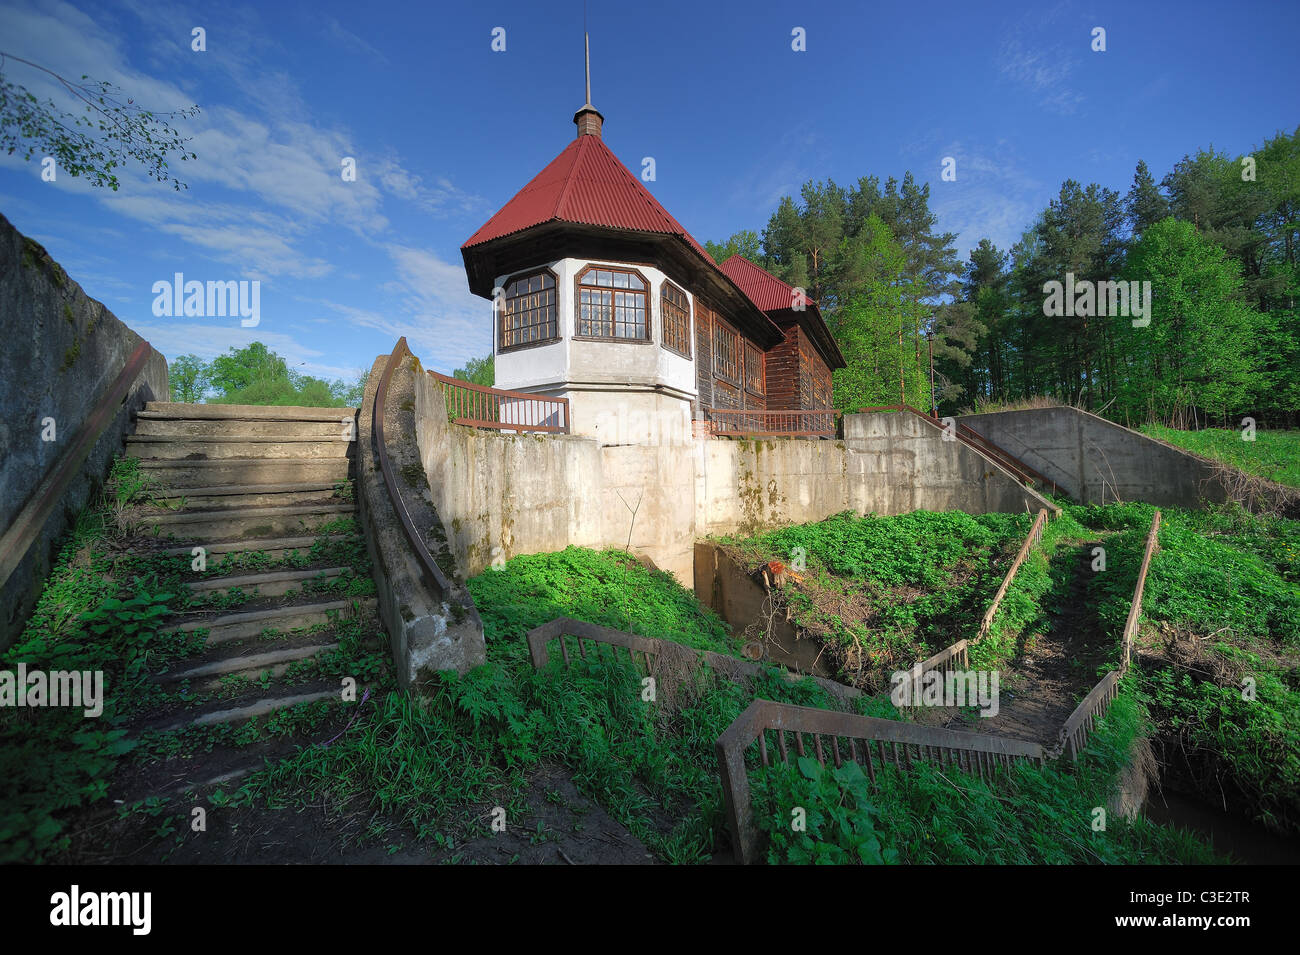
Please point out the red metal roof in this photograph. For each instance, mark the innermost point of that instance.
(763, 288)
(770, 294)
(585, 184)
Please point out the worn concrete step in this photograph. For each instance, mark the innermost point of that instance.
(180, 475)
(241, 712)
(207, 674)
(256, 495)
(274, 547)
(221, 448)
(248, 523)
(220, 767)
(250, 623)
(273, 583)
(176, 409)
(159, 425)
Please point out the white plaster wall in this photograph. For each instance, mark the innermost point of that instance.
(610, 385)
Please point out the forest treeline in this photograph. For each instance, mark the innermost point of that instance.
(1217, 238)
(255, 375)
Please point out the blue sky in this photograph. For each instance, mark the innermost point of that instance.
(444, 131)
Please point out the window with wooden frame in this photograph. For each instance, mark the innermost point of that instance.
(528, 311)
(612, 304)
(726, 351)
(754, 381)
(675, 314)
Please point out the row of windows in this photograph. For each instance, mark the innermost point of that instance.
(735, 360)
(613, 305)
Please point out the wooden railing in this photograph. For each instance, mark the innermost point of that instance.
(1075, 732)
(652, 656)
(1034, 536)
(869, 741)
(957, 656)
(1135, 610)
(819, 422)
(481, 407)
(867, 737)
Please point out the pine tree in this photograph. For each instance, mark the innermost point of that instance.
(1144, 205)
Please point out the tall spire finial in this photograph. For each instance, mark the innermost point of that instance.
(588, 119)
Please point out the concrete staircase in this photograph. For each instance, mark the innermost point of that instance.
(234, 480)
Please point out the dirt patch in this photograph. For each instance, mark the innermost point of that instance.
(558, 826)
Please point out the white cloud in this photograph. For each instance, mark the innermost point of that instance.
(267, 180)
(992, 198)
(1040, 57)
(443, 322)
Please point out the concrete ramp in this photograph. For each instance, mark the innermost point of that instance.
(1096, 461)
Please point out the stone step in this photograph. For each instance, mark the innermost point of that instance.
(222, 448)
(179, 475)
(273, 583)
(156, 425)
(274, 547)
(206, 674)
(241, 712)
(176, 409)
(249, 623)
(256, 495)
(247, 523)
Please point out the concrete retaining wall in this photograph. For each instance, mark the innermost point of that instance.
(888, 463)
(502, 494)
(61, 351)
(1097, 461)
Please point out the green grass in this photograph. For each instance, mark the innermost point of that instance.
(434, 764)
(53, 759)
(1273, 455)
(1030, 815)
(1221, 608)
(474, 739)
(884, 592)
(99, 611)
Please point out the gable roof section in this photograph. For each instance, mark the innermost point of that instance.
(586, 185)
(776, 299)
(763, 288)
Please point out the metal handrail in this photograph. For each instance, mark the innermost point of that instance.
(976, 441)
(750, 423)
(481, 407)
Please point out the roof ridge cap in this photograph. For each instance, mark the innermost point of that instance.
(563, 197)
